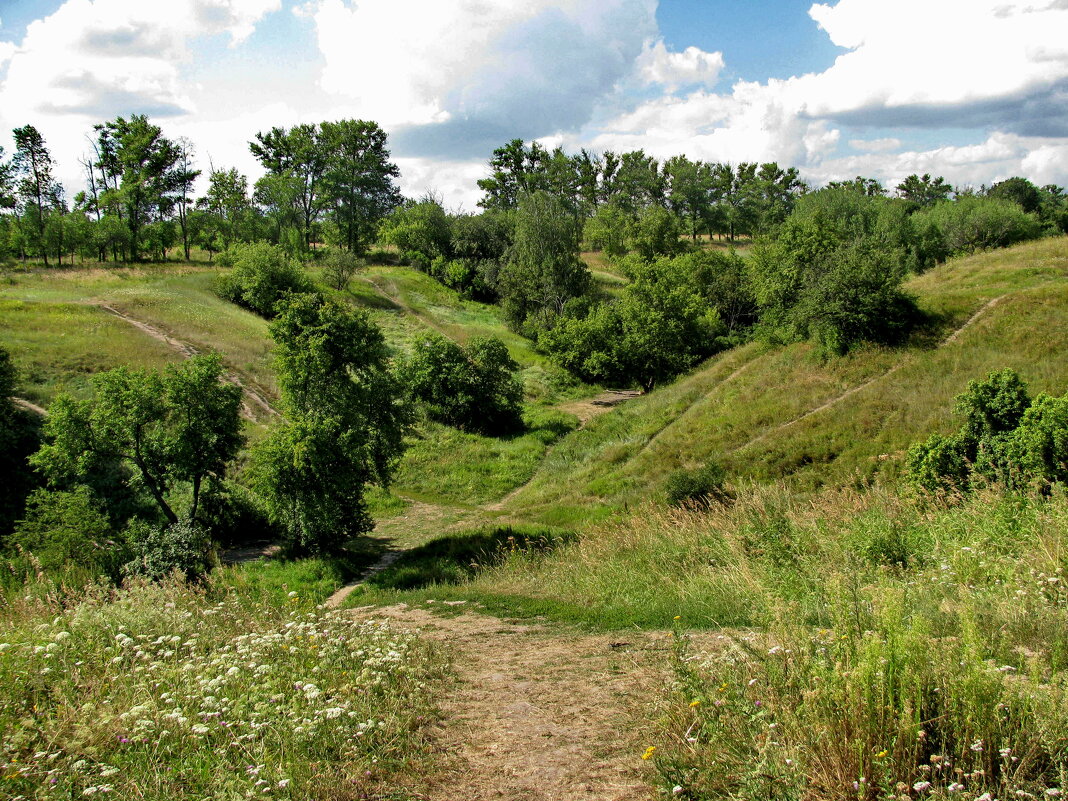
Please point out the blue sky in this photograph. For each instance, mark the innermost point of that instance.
(976, 90)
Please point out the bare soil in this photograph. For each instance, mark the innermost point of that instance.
(540, 713)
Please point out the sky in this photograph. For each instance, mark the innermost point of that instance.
(973, 90)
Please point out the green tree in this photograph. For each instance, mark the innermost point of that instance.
(228, 201)
(473, 388)
(298, 157)
(181, 426)
(143, 165)
(543, 270)
(38, 191)
(924, 191)
(261, 277)
(606, 230)
(345, 423)
(689, 191)
(358, 179)
(655, 232)
(515, 170)
(419, 228)
(1020, 191)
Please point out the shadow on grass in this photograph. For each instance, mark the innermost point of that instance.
(459, 557)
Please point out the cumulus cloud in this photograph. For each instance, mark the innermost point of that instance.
(458, 76)
(658, 65)
(998, 67)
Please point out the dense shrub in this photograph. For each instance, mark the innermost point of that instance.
(1006, 439)
(158, 551)
(68, 528)
(835, 270)
(473, 388)
(700, 486)
(973, 223)
(261, 275)
(339, 266)
(421, 227)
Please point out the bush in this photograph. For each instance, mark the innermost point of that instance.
(64, 529)
(973, 223)
(262, 274)
(1006, 439)
(158, 552)
(699, 487)
(473, 388)
(235, 516)
(339, 266)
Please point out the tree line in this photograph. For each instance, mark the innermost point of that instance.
(331, 180)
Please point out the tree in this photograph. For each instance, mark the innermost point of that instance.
(38, 190)
(655, 232)
(418, 228)
(473, 388)
(924, 191)
(184, 177)
(1018, 190)
(261, 277)
(689, 187)
(345, 423)
(358, 179)
(228, 201)
(543, 270)
(181, 426)
(515, 170)
(296, 155)
(143, 171)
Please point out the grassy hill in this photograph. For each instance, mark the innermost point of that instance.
(770, 413)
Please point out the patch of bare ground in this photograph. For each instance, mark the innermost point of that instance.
(540, 713)
(586, 410)
(30, 406)
(250, 396)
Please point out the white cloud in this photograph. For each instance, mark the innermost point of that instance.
(658, 65)
(505, 68)
(92, 60)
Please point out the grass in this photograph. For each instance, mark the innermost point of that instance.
(747, 407)
(170, 691)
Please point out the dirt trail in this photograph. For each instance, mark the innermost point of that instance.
(187, 351)
(30, 406)
(859, 387)
(540, 714)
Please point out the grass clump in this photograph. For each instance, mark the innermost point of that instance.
(166, 691)
(698, 487)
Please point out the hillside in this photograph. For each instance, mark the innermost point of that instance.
(770, 413)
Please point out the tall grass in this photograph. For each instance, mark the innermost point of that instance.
(171, 691)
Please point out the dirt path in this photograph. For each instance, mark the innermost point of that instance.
(540, 714)
(29, 406)
(586, 410)
(187, 351)
(859, 387)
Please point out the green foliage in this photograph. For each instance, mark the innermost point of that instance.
(175, 427)
(924, 191)
(68, 528)
(18, 439)
(1006, 438)
(159, 551)
(606, 230)
(339, 266)
(345, 424)
(834, 271)
(659, 327)
(543, 270)
(474, 388)
(655, 232)
(421, 228)
(1019, 191)
(973, 222)
(697, 487)
(261, 275)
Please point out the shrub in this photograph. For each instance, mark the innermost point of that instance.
(1006, 438)
(473, 388)
(339, 266)
(973, 223)
(64, 529)
(262, 274)
(701, 486)
(182, 547)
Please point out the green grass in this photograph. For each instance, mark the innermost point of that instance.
(717, 412)
(171, 691)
